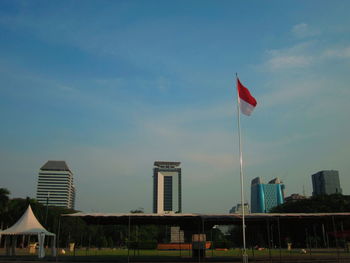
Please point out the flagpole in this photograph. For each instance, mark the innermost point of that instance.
(245, 256)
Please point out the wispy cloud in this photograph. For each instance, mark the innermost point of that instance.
(288, 92)
(303, 30)
(280, 61)
(297, 56)
(337, 53)
(303, 55)
(308, 52)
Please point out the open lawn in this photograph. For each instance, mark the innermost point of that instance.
(123, 255)
(252, 253)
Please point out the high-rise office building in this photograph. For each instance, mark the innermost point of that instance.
(326, 183)
(266, 196)
(55, 185)
(167, 187)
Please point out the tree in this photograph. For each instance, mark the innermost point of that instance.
(4, 196)
(137, 211)
(4, 200)
(317, 204)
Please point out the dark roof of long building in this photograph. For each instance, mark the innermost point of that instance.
(55, 166)
(208, 219)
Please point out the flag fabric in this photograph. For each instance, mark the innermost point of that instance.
(247, 102)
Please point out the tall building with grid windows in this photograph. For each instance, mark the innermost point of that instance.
(55, 185)
(167, 187)
(326, 183)
(266, 196)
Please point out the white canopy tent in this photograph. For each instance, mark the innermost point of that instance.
(30, 226)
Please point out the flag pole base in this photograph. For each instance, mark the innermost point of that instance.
(244, 258)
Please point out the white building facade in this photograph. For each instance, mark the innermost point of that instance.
(167, 187)
(55, 185)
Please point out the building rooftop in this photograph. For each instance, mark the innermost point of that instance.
(328, 172)
(166, 163)
(257, 180)
(55, 166)
(276, 181)
(193, 220)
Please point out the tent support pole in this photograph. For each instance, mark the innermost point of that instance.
(58, 236)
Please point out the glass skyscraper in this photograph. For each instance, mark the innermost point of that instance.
(326, 183)
(266, 196)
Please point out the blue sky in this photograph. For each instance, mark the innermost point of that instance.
(112, 86)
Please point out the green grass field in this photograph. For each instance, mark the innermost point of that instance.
(209, 252)
(273, 253)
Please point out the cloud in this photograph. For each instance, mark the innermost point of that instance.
(297, 56)
(303, 30)
(303, 55)
(336, 53)
(287, 92)
(284, 61)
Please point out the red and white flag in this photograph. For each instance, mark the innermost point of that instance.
(247, 102)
